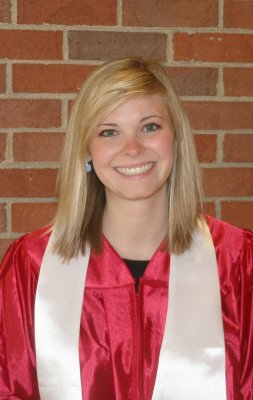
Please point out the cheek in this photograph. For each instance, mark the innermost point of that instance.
(101, 153)
(165, 146)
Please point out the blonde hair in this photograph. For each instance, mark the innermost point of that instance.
(78, 221)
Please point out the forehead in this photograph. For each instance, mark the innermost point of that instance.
(138, 106)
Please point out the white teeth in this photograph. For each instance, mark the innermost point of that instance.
(135, 171)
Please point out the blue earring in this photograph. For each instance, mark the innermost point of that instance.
(89, 166)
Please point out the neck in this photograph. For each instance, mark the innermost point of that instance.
(135, 228)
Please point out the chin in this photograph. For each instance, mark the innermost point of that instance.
(138, 196)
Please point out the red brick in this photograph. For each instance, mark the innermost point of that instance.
(239, 213)
(216, 47)
(238, 148)
(39, 146)
(209, 208)
(3, 137)
(228, 181)
(194, 81)
(3, 217)
(2, 78)
(30, 113)
(66, 12)
(100, 45)
(238, 81)
(220, 115)
(64, 78)
(27, 217)
(238, 14)
(31, 45)
(50, 78)
(206, 147)
(4, 245)
(192, 13)
(27, 182)
(5, 11)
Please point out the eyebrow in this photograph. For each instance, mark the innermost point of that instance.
(151, 116)
(142, 120)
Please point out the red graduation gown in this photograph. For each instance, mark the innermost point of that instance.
(121, 332)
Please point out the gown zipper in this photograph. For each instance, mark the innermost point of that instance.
(137, 269)
(137, 294)
(137, 286)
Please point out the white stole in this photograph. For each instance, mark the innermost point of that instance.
(192, 357)
(58, 307)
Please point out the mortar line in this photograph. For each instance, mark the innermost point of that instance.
(115, 28)
(14, 12)
(119, 13)
(219, 149)
(65, 47)
(221, 14)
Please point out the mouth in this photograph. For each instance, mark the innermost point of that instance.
(139, 170)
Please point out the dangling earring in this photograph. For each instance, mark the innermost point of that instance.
(88, 166)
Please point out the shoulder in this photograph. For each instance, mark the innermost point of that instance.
(233, 245)
(226, 233)
(26, 252)
(35, 242)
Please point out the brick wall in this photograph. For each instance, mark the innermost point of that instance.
(47, 48)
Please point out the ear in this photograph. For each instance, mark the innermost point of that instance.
(88, 157)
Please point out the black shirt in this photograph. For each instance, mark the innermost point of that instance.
(137, 269)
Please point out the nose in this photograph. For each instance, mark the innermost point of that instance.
(132, 146)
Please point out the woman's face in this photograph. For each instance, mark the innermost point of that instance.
(132, 149)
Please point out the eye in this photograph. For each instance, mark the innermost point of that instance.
(151, 127)
(108, 133)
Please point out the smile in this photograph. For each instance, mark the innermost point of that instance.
(129, 171)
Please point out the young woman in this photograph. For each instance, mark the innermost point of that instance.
(131, 294)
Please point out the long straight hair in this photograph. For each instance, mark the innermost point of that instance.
(78, 220)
